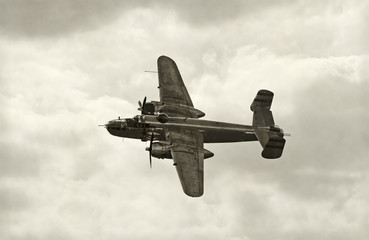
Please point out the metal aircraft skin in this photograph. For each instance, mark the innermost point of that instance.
(175, 130)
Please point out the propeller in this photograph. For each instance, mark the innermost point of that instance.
(142, 105)
(150, 149)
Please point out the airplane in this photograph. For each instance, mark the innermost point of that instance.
(175, 130)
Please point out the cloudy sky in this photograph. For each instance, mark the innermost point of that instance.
(67, 66)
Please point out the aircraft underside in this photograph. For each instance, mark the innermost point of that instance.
(174, 129)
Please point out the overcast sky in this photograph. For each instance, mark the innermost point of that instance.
(67, 66)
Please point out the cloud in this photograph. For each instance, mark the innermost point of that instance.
(45, 18)
(18, 162)
(321, 101)
(38, 18)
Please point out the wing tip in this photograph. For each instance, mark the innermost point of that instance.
(194, 194)
(164, 58)
(265, 92)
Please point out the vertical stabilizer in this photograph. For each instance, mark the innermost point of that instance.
(269, 135)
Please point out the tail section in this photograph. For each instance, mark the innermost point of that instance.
(269, 135)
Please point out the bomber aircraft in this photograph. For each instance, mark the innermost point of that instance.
(175, 130)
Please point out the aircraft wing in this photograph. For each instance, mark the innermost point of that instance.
(173, 92)
(188, 156)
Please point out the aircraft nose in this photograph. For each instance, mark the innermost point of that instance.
(109, 125)
(115, 125)
(106, 126)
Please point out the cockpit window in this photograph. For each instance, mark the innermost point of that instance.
(117, 124)
(132, 122)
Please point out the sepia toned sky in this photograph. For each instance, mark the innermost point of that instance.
(68, 66)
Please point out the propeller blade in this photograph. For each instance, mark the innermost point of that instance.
(150, 161)
(150, 149)
(143, 106)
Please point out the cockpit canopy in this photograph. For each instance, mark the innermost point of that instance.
(122, 124)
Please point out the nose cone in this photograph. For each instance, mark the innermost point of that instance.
(112, 126)
(115, 127)
(108, 126)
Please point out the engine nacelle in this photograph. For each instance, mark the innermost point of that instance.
(162, 118)
(162, 150)
(207, 154)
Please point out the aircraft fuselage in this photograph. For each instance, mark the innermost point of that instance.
(141, 127)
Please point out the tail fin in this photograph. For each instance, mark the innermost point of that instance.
(269, 135)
